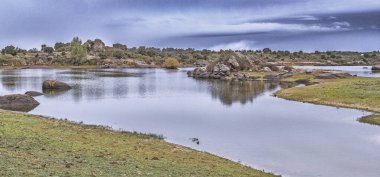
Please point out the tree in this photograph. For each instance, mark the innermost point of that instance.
(267, 50)
(61, 47)
(78, 51)
(171, 63)
(12, 50)
(47, 49)
(43, 46)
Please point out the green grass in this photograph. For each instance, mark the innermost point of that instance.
(372, 119)
(356, 92)
(37, 146)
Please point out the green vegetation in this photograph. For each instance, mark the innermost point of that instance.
(78, 52)
(171, 63)
(372, 119)
(354, 92)
(35, 146)
(95, 52)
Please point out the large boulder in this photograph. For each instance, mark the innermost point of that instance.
(55, 85)
(221, 69)
(18, 102)
(200, 72)
(233, 63)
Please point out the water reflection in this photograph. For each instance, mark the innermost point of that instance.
(229, 92)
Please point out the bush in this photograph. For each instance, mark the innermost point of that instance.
(48, 50)
(12, 50)
(78, 52)
(171, 63)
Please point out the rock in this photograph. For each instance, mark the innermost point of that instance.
(55, 85)
(233, 62)
(376, 68)
(286, 75)
(342, 75)
(98, 45)
(272, 77)
(325, 76)
(221, 68)
(40, 62)
(267, 69)
(302, 81)
(201, 63)
(33, 93)
(239, 76)
(190, 74)
(18, 102)
(332, 75)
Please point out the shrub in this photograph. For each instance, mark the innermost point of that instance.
(48, 50)
(12, 50)
(78, 52)
(171, 63)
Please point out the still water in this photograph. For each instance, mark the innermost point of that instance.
(240, 121)
(363, 71)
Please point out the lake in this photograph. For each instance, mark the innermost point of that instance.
(364, 71)
(240, 121)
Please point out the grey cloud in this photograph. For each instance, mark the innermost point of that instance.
(192, 23)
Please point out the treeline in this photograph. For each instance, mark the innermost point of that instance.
(93, 52)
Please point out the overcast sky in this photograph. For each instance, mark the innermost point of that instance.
(214, 24)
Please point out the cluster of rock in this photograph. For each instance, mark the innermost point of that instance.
(229, 67)
(26, 102)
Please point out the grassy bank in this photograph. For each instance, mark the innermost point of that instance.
(372, 119)
(36, 146)
(356, 92)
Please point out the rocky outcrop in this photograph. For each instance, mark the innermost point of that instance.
(97, 45)
(222, 69)
(55, 85)
(33, 93)
(18, 102)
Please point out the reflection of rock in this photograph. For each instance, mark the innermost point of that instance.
(33, 93)
(53, 92)
(18, 102)
(55, 85)
(376, 68)
(238, 91)
(302, 81)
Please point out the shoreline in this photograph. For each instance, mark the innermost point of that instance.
(183, 160)
(353, 93)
